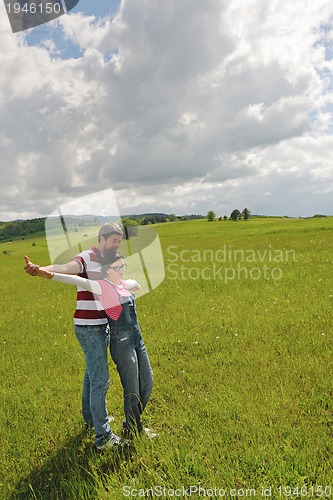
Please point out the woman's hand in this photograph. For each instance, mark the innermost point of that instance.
(137, 287)
(132, 285)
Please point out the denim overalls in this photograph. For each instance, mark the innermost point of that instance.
(129, 353)
(128, 318)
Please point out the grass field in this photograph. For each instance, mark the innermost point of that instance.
(240, 340)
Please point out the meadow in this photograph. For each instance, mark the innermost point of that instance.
(239, 336)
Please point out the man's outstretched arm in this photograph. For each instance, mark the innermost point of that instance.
(71, 267)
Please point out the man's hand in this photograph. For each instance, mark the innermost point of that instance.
(35, 270)
(72, 267)
(29, 267)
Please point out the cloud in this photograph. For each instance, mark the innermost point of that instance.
(178, 106)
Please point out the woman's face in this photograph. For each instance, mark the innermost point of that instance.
(116, 270)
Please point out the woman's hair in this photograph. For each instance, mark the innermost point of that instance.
(109, 259)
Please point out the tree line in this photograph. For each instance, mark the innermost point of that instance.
(22, 228)
(13, 229)
(235, 215)
(145, 219)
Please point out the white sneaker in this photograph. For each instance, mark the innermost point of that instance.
(150, 434)
(114, 440)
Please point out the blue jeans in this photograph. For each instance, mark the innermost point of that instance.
(129, 353)
(95, 341)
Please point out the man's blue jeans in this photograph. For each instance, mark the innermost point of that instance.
(129, 353)
(95, 341)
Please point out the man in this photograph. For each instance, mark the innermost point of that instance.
(92, 331)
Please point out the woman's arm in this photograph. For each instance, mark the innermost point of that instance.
(90, 285)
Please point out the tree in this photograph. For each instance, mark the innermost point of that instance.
(172, 217)
(246, 214)
(235, 214)
(130, 227)
(129, 222)
(148, 220)
(210, 216)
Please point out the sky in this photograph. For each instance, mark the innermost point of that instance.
(181, 107)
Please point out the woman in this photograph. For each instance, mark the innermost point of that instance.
(127, 347)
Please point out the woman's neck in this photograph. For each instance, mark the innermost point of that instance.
(113, 282)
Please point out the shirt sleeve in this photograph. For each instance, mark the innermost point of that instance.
(90, 285)
(80, 260)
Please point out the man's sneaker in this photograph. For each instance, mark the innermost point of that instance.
(149, 433)
(114, 440)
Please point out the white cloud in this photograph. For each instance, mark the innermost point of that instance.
(178, 106)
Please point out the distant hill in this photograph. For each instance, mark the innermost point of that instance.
(24, 228)
(102, 219)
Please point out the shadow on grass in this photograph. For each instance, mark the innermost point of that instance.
(74, 471)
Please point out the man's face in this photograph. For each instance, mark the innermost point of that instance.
(113, 242)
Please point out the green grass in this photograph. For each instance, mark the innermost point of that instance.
(243, 393)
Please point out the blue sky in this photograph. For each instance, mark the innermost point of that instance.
(97, 8)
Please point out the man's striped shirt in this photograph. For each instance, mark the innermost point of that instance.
(89, 311)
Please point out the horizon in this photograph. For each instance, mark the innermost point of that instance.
(316, 215)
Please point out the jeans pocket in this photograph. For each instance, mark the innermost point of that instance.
(119, 345)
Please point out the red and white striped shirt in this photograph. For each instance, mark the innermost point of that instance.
(89, 311)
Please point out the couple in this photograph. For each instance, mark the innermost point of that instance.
(106, 316)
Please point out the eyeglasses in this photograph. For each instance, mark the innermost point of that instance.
(117, 268)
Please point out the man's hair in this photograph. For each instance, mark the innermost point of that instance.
(108, 229)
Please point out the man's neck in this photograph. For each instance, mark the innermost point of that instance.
(101, 249)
